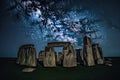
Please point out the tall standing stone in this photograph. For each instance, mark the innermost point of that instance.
(21, 56)
(101, 52)
(59, 58)
(40, 56)
(31, 58)
(88, 53)
(27, 55)
(80, 58)
(98, 54)
(69, 59)
(49, 58)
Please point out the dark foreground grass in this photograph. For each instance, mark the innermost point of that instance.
(9, 70)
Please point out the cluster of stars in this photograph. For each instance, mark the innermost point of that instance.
(51, 23)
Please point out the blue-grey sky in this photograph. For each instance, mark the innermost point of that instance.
(13, 31)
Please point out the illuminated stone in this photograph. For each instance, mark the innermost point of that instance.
(28, 69)
(59, 58)
(88, 53)
(27, 55)
(97, 51)
(40, 56)
(21, 56)
(49, 57)
(69, 59)
(31, 57)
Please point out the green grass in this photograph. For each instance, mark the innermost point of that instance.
(9, 70)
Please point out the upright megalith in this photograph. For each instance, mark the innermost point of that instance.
(21, 57)
(31, 57)
(40, 56)
(27, 55)
(101, 53)
(49, 57)
(98, 54)
(69, 59)
(59, 58)
(80, 58)
(88, 53)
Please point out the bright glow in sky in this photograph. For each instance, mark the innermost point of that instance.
(71, 27)
(43, 21)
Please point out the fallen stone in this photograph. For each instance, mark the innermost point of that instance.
(108, 64)
(28, 69)
(108, 61)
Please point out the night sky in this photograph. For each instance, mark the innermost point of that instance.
(15, 30)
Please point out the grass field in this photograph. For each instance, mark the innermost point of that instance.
(9, 70)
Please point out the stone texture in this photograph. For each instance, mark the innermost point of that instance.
(108, 62)
(88, 53)
(49, 50)
(27, 55)
(21, 56)
(28, 69)
(97, 51)
(69, 59)
(40, 56)
(80, 58)
(49, 57)
(59, 58)
(31, 57)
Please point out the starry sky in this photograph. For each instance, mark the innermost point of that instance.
(17, 29)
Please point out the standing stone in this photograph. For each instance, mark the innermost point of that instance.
(69, 59)
(101, 52)
(21, 56)
(80, 58)
(88, 53)
(65, 58)
(49, 58)
(59, 58)
(40, 56)
(31, 58)
(98, 54)
(101, 59)
(27, 55)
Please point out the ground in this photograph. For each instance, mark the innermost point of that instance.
(9, 70)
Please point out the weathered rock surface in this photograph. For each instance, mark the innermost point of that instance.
(108, 62)
(97, 51)
(41, 55)
(28, 69)
(27, 55)
(80, 58)
(88, 53)
(21, 56)
(69, 59)
(59, 58)
(49, 57)
(31, 58)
